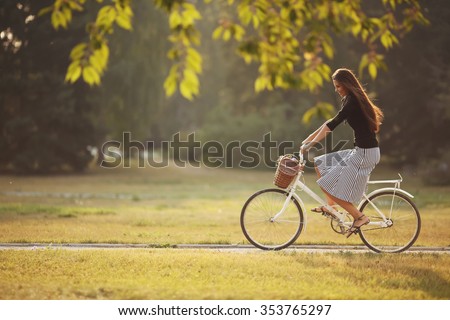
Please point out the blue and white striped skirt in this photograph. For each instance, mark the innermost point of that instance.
(344, 174)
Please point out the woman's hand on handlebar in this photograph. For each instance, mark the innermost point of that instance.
(305, 147)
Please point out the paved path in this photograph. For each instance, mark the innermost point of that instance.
(217, 247)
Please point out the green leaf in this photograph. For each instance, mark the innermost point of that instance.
(363, 64)
(73, 73)
(308, 115)
(238, 32)
(193, 60)
(45, 10)
(173, 54)
(67, 14)
(191, 80)
(191, 12)
(124, 22)
(260, 84)
(247, 58)
(373, 70)
(326, 110)
(324, 70)
(255, 22)
(316, 77)
(58, 19)
(104, 52)
(186, 90)
(364, 34)
(127, 10)
(227, 35)
(356, 29)
(328, 49)
(385, 41)
(194, 55)
(76, 74)
(245, 14)
(392, 2)
(78, 51)
(175, 19)
(321, 110)
(91, 76)
(217, 33)
(98, 60)
(170, 85)
(96, 63)
(106, 16)
(74, 5)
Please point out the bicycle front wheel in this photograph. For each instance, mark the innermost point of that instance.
(258, 223)
(400, 229)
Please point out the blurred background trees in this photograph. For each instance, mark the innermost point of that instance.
(49, 125)
(45, 124)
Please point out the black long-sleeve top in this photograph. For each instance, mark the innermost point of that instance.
(351, 111)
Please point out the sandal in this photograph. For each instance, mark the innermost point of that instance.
(324, 210)
(354, 228)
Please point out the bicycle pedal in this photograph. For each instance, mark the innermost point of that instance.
(328, 215)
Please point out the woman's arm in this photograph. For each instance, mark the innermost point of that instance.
(316, 136)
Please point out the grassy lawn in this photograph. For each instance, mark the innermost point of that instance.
(169, 206)
(174, 205)
(194, 274)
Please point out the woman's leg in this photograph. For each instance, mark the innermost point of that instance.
(330, 200)
(350, 208)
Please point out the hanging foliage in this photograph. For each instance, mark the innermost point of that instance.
(291, 41)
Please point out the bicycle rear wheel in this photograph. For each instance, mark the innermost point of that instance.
(261, 229)
(402, 227)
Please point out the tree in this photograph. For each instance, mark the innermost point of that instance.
(290, 40)
(45, 125)
(132, 97)
(415, 97)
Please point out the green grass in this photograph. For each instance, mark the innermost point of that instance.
(196, 274)
(170, 206)
(163, 207)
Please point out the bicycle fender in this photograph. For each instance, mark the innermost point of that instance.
(396, 190)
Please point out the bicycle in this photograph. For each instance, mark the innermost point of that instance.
(273, 219)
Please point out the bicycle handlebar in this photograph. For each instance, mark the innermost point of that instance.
(299, 156)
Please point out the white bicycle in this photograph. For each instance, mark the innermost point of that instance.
(272, 219)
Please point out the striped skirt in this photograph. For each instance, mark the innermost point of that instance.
(344, 174)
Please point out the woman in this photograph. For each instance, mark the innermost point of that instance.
(343, 175)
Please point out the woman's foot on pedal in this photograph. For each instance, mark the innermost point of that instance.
(324, 210)
(357, 224)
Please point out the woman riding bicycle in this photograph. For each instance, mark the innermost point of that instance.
(343, 175)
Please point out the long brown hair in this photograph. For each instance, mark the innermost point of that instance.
(348, 80)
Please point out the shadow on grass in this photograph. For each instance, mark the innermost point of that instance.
(428, 281)
(399, 272)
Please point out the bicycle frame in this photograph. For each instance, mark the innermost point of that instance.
(298, 184)
(395, 189)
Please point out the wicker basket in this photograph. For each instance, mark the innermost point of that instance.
(287, 169)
